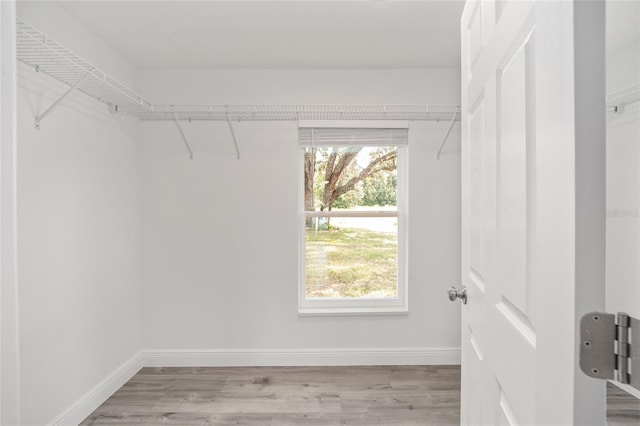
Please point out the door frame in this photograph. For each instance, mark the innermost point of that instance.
(9, 340)
(590, 204)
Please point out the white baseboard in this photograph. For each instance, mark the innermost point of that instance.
(300, 357)
(84, 406)
(100, 393)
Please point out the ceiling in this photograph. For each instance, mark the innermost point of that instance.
(278, 34)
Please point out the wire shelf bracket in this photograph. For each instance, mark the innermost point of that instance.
(233, 136)
(39, 118)
(446, 136)
(184, 138)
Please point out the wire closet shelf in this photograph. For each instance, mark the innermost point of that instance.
(291, 112)
(45, 55)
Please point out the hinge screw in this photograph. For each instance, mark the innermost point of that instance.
(587, 342)
(595, 370)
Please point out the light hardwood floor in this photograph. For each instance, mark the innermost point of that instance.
(622, 408)
(404, 395)
(384, 395)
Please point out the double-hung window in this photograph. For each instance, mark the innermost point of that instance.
(353, 219)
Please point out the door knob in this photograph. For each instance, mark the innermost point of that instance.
(458, 294)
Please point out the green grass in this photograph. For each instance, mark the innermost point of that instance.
(347, 263)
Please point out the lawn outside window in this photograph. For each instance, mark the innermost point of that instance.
(353, 221)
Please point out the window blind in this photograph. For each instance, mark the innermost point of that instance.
(329, 136)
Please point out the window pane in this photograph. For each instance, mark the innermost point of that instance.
(352, 257)
(349, 177)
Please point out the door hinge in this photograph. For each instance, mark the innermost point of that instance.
(610, 347)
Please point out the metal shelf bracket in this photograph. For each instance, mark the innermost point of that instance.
(233, 136)
(184, 138)
(446, 136)
(46, 112)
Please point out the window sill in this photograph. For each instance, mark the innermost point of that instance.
(353, 311)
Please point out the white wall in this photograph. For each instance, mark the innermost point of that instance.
(79, 240)
(623, 176)
(220, 235)
(623, 166)
(121, 250)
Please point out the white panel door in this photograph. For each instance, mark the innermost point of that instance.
(530, 232)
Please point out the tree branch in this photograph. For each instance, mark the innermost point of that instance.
(384, 162)
(333, 173)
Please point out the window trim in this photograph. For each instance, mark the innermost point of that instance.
(346, 307)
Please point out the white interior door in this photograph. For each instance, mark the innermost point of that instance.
(533, 208)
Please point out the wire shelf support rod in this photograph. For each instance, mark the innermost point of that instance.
(184, 138)
(233, 136)
(446, 136)
(46, 112)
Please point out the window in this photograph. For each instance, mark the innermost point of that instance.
(353, 220)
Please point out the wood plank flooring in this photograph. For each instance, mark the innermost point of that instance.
(622, 408)
(384, 395)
